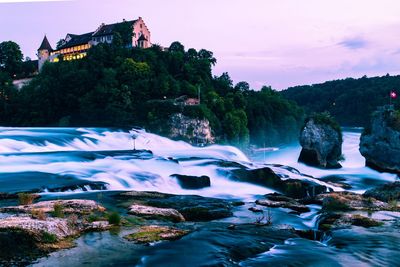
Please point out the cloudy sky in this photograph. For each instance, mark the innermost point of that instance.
(266, 42)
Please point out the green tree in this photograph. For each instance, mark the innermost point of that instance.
(10, 58)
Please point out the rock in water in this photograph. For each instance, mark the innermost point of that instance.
(321, 142)
(380, 143)
(386, 192)
(154, 233)
(154, 213)
(192, 182)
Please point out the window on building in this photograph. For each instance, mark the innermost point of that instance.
(109, 37)
(141, 25)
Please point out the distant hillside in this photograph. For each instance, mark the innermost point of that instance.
(351, 101)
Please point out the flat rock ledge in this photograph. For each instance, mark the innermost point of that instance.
(154, 233)
(31, 231)
(156, 213)
(77, 206)
(291, 204)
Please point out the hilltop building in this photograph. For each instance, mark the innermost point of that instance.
(75, 46)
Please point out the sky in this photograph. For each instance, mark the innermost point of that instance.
(265, 42)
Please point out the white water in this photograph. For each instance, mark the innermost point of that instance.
(48, 150)
(353, 166)
(60, 151)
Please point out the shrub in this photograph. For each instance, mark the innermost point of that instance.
(38, 214)
(114, 218)
(26, 198)
(333, 204)
(394, 121)
(327, 119)
(48, 237)
(58, 210)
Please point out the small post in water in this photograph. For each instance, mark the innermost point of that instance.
(134, 134)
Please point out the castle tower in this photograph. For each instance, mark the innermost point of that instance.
(44, 52)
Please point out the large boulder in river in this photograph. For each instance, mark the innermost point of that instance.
(380, 142)
(192, 182)
(156, 213)
(294, 188)
(191, 207)
(321, 141)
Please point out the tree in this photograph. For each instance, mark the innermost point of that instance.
(177, 47)
(126, 31)
(10, 58)
(242, 86)
(207, 55)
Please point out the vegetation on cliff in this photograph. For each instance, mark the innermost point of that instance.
(350, 101)
(115, 86)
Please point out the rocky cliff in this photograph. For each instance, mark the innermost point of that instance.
(321, 142)
(380, 143)
(195, 131)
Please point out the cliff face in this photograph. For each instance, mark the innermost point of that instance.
(195, 131)
(321, 145)
(380, 144)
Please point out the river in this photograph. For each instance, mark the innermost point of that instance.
(71, 162)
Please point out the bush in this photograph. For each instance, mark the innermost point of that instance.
(394, 122)
(114, 218)
(48, 237)
(58, 210)
(325, 118)
(38, 214)
(333, 204)
(26, 198)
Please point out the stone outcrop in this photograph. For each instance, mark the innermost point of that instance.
(77, 206)
(192, 182)
(294, 188)
(193, 208)
(380, 142)
(154, 233)
(31, 231)
(387, 192)
(195, 131)
(344, 209)
(321, 144)
(279, 201)
(156, 213)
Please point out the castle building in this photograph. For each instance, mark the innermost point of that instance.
(75, 46)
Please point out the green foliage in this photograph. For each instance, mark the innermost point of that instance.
(394, 121)
(350, 101)
(114, 218)
(334, 204)
(116, 86)
(48, 238)
(26, 198)
(58, 211)
(10, 58)
(324, 118)
(125, 32)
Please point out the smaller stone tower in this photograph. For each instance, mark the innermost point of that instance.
(44, 52)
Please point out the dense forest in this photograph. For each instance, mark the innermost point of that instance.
(115, 86)
(350, 101)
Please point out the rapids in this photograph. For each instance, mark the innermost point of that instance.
(45, 159)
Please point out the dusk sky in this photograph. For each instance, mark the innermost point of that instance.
(278, 43)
